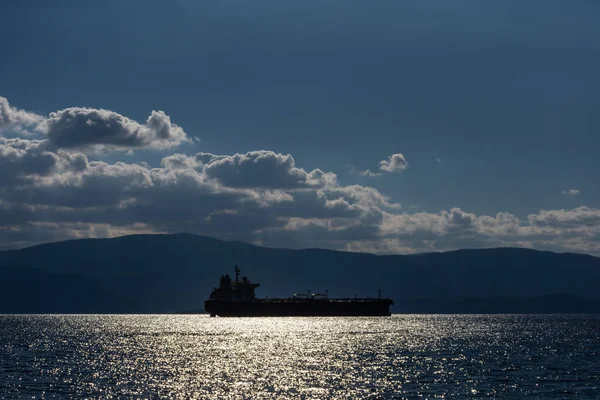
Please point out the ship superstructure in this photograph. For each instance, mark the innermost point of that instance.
(236, 297)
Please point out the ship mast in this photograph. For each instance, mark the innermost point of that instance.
(237, 274)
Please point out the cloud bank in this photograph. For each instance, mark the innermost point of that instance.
(51, 190)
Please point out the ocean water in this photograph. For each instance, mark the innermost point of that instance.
(404, 356)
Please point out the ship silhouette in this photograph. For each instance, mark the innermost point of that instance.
(237, 298)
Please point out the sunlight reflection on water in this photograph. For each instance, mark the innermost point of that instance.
(161, 356)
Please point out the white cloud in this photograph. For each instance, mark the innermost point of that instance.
(370, 174)
(549, 229)
(570, 192)
(387, 246)
(99, 129)
(13, 118)
(89, 129)
(50, 191)
(181, 161)
(394, 163)
(52, 194)
(32, 233)
(28, 161)
(576, 218)
(263, 169)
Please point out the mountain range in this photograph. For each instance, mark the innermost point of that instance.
(176, 272)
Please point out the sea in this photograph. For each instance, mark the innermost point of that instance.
(398, 357)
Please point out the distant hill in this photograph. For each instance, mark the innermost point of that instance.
(550, 304)
(26, 290)
(170, 273)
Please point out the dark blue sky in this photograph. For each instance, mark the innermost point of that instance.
(504, 95)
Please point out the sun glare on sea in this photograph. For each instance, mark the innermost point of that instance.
(195, 356)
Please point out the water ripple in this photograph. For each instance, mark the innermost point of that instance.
(162, 356)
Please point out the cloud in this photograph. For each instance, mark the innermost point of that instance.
(90, 129)
(262, 197)
(50, 194)
(367, 173)
(13, 118)
(262, 169)
(367, 198)
(29, 161)
(249, 196)
(39, 183)
(394, 163)
(576, 218)
(394, 232)
(81, 128)
(370, 174)
(50, 190)
(181, 161)
(570, 192)
(26, 234)
(549, 229)
(388, 246)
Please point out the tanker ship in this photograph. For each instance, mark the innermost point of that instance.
(236, 298)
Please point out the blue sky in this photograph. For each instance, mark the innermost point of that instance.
(492, 105)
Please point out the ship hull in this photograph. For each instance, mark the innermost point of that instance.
(299, 308)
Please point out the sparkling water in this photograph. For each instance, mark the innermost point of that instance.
(403, 356)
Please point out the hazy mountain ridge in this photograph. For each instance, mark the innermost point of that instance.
(28, 290)
(167, 273)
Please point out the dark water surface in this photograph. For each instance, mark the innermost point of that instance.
(405, 356)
